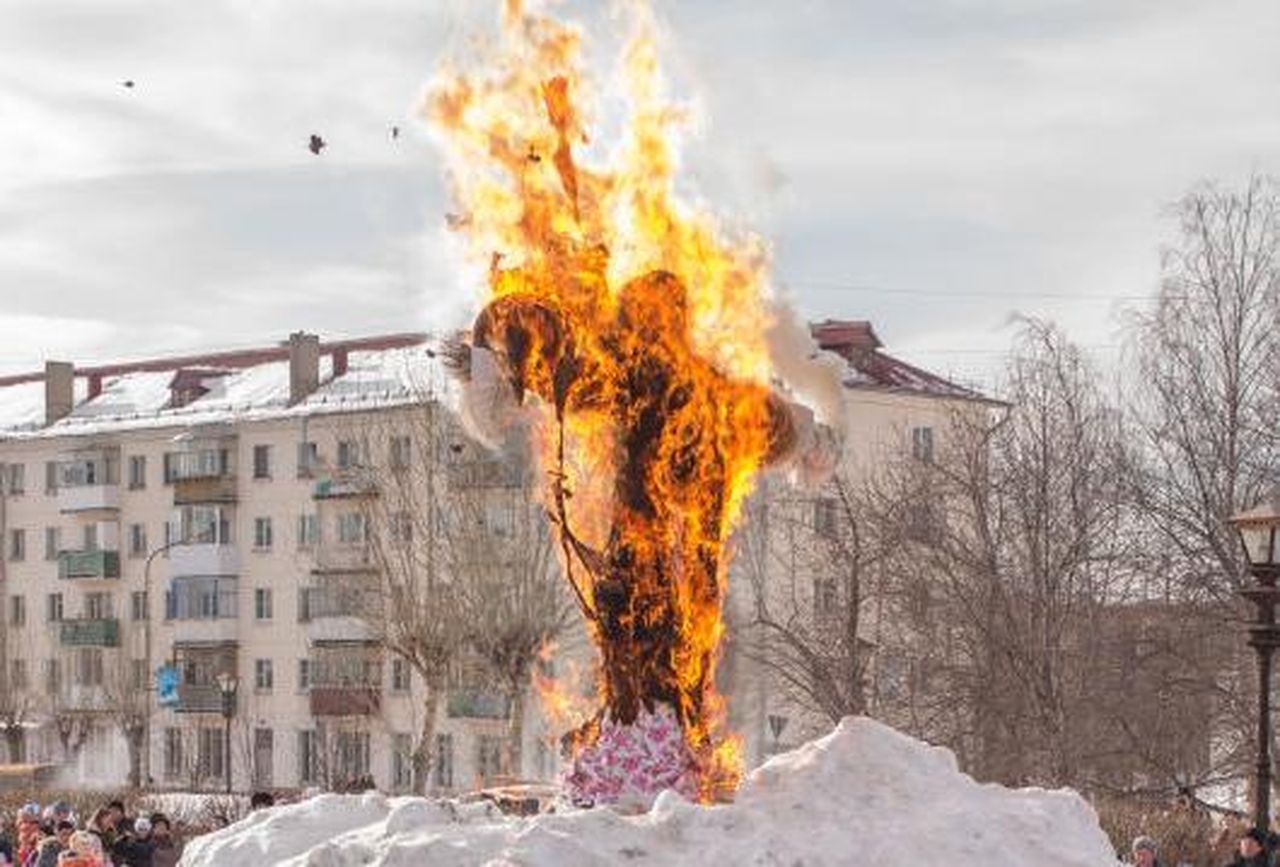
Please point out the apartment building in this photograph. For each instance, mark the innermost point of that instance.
(894, 412)
(187, 518)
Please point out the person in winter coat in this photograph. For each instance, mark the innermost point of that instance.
(28, 834)
(1252, 850)
(53, 846)
(84, 849)
(135, 848)
(1144, 851)
(167, 851)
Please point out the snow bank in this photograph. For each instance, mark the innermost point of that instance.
(863, 796)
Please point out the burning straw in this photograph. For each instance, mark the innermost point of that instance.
(635, 330)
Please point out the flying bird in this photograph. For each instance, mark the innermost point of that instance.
(395, 132)
(128, 82)
(316, 144)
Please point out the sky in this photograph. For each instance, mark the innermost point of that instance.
(939, 167)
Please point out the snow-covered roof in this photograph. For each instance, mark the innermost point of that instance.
(134, 399)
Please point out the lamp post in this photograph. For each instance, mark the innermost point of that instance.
(1259, 530)
(227, 685)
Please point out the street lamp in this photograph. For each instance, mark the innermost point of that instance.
(1259, 530)
(227, 685)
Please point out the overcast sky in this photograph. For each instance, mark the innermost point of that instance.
(932, 165)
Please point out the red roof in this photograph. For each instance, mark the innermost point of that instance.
(856, 342)
(233, 359)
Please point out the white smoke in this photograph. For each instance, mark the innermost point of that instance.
(812, 374)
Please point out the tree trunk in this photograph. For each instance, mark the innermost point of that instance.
(423, 751)
(133, 736)
(515, 730)
(13, 740)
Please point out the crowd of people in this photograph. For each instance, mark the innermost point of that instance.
(1254, 848)
(55, 837)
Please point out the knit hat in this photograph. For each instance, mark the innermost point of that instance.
(142, 825)
(1258, 835)
(30, 810)
(1143, 843)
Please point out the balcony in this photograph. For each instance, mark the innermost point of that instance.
(87, 632)
(344, 485)
(88, 564)
(344, 701)
(200, 698)
(477, 704)
(204, 559)
(340, 557)
(209, 630)
(198, 490)
(88, 498)
(484, 474)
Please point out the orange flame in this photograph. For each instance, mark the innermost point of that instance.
(639, 324)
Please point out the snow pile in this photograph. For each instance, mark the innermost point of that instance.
(863, 796)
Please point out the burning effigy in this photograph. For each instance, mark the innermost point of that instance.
(634, 329)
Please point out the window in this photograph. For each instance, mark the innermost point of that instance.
(170, 467)
(922, 444)
(53, 611)
(304, 675)
(263, 753)
(401, 452)
(262, 462)
(210, 753)
(444, 760)
(308, 531)
(351, 528)
(262, 675)
(97, 605)
(53, 676)
(399, 675)
(351, 454)
(89, 666)
(15, 478)
(138, 607)
(402, 527)
(308, 757)
(825, 598)
(203, 525)
(90, 538)
(18, 673)
(52, 542)
(824, 516)
(137, 472)
(17, 611)
(262, 533)
(351, 753)
(172, 753)
(17, 545)
(489, 755)
(262, 607)
(137, 540)
(50, 477)
(308, 459)
(401, 761)
(138, 674)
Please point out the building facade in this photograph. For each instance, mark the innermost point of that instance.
(196, 517)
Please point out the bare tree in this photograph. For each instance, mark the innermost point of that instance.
(1015, 548)
(124, 703)
(1207, 363)
(811, 562)
(501, 552)
(415, 610)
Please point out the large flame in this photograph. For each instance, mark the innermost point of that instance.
(637, 324)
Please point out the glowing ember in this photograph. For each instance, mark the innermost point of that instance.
(636, 329)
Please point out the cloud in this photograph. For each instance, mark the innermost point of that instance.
(988, 153)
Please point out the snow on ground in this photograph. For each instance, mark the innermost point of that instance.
(863, 796)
